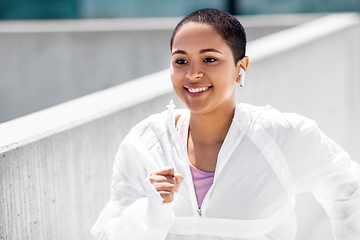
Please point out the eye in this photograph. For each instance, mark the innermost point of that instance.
(209, 60)
(180, 61)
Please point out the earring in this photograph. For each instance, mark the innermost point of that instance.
(242, 77)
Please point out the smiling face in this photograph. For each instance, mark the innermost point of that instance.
(203, 72)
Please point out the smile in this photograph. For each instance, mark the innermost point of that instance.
(196, 90)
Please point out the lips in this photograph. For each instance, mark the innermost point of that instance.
(197, 91)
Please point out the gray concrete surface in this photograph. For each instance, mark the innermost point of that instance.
(44, 63)
(56, 164)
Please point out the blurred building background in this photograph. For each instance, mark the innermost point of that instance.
(60, 9)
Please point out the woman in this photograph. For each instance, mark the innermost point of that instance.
(222, 170)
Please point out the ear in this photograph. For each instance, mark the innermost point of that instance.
(243, 63)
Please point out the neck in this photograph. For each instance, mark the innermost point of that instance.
(211, 128)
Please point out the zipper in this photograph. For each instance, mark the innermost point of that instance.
(199, 212)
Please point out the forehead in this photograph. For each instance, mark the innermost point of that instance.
(198, 35)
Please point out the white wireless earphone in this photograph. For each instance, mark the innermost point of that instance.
(242, 77)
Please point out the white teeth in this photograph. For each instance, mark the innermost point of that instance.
(195, 90)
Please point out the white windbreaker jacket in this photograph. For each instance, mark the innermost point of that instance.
(266, 159)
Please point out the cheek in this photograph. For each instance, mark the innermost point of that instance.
(176, 75)
(224, 81)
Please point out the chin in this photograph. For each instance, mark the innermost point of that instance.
(200, 109)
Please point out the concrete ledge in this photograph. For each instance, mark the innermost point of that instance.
(292, 38)
(33, 127)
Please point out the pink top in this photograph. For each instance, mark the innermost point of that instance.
(202, 180)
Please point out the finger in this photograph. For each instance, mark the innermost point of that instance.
(165, 171)
(166, 191)
(164, 186)
(178, 177)
(162, 178)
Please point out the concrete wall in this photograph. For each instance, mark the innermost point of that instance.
(44, 63)
(56, 164)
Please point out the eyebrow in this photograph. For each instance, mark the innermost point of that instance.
(210, 50)
(202, 51)
(179, 52)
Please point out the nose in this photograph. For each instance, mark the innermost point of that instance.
(194, 72)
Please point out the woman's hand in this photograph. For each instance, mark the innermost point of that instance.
(166, 182)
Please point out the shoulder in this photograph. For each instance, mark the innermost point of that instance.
(147, 130)
(151, 129)
(281, 126)
(270, 117)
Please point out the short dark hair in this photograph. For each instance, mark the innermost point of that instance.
(224, 23)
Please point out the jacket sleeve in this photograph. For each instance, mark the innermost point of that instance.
(135, 210)
(324, 168)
